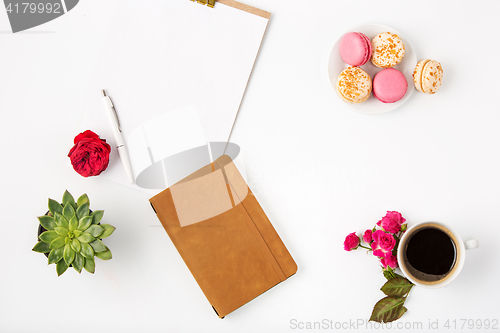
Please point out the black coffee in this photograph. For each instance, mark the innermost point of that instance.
(431, 251)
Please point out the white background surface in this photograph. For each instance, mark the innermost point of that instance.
(319, 169)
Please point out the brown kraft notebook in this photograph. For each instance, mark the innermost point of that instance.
(223, 236)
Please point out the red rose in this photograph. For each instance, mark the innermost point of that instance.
(90, 154)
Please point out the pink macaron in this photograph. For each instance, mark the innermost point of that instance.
(355, 48)
(389, 85)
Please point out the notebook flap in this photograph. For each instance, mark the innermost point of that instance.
(242, 193)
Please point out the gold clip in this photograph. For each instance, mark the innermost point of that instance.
(209, 3)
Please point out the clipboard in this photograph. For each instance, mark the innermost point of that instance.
(177, 72)
(223, 235)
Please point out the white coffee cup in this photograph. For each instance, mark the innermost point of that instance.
(428, 280)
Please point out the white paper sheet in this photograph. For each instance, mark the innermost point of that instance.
(169, 57)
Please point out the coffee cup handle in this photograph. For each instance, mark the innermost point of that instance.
(471, 244)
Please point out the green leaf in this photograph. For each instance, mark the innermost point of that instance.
(106, 255)
(68, 212)
(388, 309)
(97, 216)
(55, 207)
(56, 255)
(57, 243)
(98, 246)
(77, 233)
(76, 245)
(47, 222)
(48, 236)
(61, 267)
(87, 251)
(108, 230)
(69, 254)
(95, 230)
(79, 262)
(41, 247)
(61, 231)
(68, 199)
(67, 240)
(82, 211)
(61, 221)
(82, 199)
(397, 287)
(73, 223)
(89, 265)
(85, 237)
(84, 223)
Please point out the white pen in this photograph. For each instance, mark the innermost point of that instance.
(117, 133)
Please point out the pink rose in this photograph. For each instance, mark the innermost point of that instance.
(367, 236)
(391, 222)
(351, 242)
(383, 243)
(390, 260)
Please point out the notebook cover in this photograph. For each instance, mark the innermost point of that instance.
(235, 254)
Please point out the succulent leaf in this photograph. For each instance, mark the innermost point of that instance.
(55, 207)
(67, 240)
(61, 231)
(68, 199)
(97, 216)
(47, 222)
(73, 224)
(85, 237)
(61, 221)
(56, 255)
(108, 230)
(68, 212)
(87, 251)
(57, 243)
(106, 255)
(82, 199)
(48, 236)
(95, 230)
(98, 246)
(75, 244)
(69, 254)
(61, 267)
(41, 247)
(89, 265)
(82, 211)
(77, 233)
(79, 262)
(84, 223)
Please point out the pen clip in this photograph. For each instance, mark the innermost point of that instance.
(116, 115)
(113, 108)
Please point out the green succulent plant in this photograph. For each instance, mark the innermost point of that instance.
(73, 235)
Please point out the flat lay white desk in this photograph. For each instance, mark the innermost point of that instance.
(318, 168)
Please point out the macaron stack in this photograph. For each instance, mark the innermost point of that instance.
(385, 50)
(389, 85)
(354, 85)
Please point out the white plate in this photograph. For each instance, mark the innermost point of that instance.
(406, 66)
